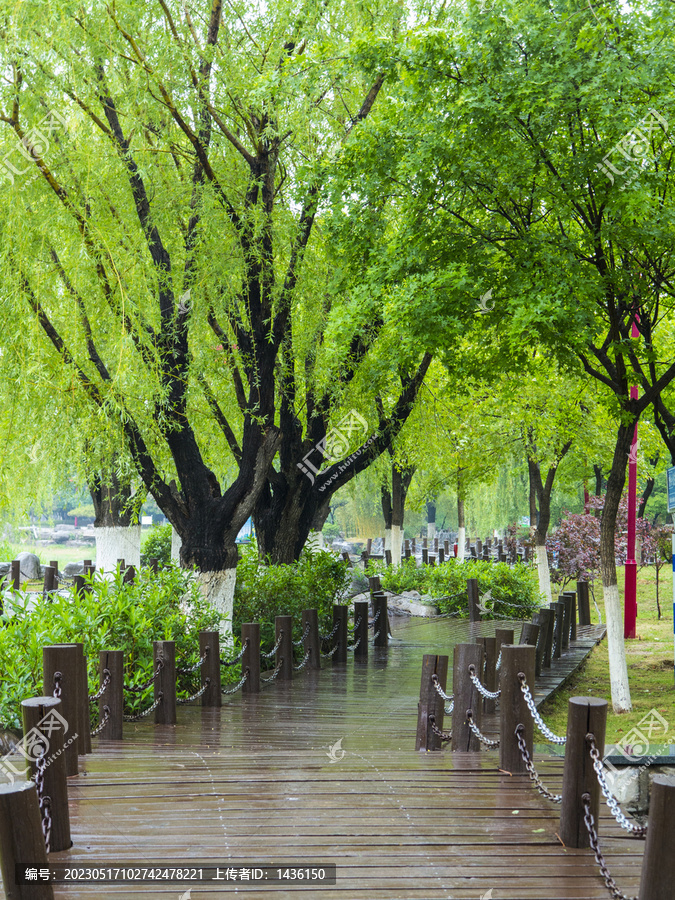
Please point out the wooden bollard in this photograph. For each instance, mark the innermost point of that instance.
(502, 636)
(65, 660)
(559, 611)
(283, 628)
(50, 581)
(425, 556)
(466, 696)
(425, 543)
(413, 544)
(529, 634)
(310, 617)
(22, 841)
(361, 630)
(567, 612)
(209, 644)
(381, 627)
(441, 556)
(479, 547)
(584, 603)
(54, 564)
(472, 594)
(340, 639)
(431, 705)
(387, 557)
(658, 862)
(41, 715)
(407, 549)
(584, 715)
(129, 575)
(250, 631)
(369, 546)
(374, 583)
(113, 696)
(153, 563)
(431, 560)
(84, 725)
(489, 645)
(78, 587)
(545, 622)
(164, 653)
(573, 614)
(16, 574)
(512, 706)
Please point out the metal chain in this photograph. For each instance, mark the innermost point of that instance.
(532, 772)
(237, 658)
(240, 684)
(327, 637)
(489, 695)
(101, 725)
(304, 635)
(106, 681)
(138, 689)
(589, 821)
(374, 622)
(481, 737)
(538, 721)
(449, 709)
(443, 735)
(274, 674)
(145, 712)
(610, 799)
(439, 690)
(304, 662)
(186, 670)
(275, 648)
(499, 662)
(354, 646)
(376, 636)
(331, 652)
(58, 676)
(358, 622)
(196, 696)
(44, 802)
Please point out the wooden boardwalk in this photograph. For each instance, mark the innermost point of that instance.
(254, 783)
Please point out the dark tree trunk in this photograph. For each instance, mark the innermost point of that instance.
(646, 494)
(400, 484)
(431, 512)
(115, 504)
(387, 507)
(531, 469)
(597, 470)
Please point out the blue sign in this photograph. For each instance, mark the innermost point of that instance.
(670, 481)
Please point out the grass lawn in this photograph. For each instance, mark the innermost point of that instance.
(650, 664)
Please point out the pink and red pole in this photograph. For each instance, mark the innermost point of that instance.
(630, 572)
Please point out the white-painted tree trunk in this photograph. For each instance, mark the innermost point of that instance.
(396, 544)
(387, 539)
(113, 543)
(544, 573)
(618, 670)
(176, 544)
(315, 541)
(461, 542)
(431, 532)
(218, 590)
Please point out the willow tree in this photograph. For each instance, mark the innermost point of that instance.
(165, 166)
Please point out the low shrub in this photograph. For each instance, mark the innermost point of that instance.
(157, 543)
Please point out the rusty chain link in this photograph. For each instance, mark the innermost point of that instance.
(481, 737)
(146, 712)
(104, 684)
(531, 771)
(101, 725)
(589, 821)
(538, 721)
(196, 696)
(443, 735)
(480, 687)
(187, 670)
(611, 801)
(275, 648)
(139, 688)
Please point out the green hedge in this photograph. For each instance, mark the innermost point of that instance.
(157, 543)
(514, 590)
(317, 581)
(114, 616)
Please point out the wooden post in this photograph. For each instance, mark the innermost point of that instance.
(425, 543)
(50, 581)
(472, 593)
(432, 561)
(387, 557)
(54, 564)
(369, 546)
(209, 643)
(567, 611)
(129, 575)
(559, 609)
(529, 634)
(113, 698)
(341, 636)
(374, 582)
(584, 604)
(251, 659)
(479, 547)
(526, 554)
(78, 587)
(584, 715)
(414, 546)
(512, 706)
(16, 575)
(153, 562)
(346, 557)
(41, 715)
(21, 840)
(84, 725)
(425, 556)
(446, 548)
(65, 659)
(165, 683)
(381, 627)
(361, 629)
(545, 622)
(441, 556)
(573, 613)
(284, 654)
(489, 645)
(407, 549)
(431, 704)
(466, 696)
(502, 636)
(658, 862)
(312, 643)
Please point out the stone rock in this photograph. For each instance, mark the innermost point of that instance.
(30, 565)
(60, 537)
(5, 568)
(73, 568)
(359, 583)
(8, 742)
